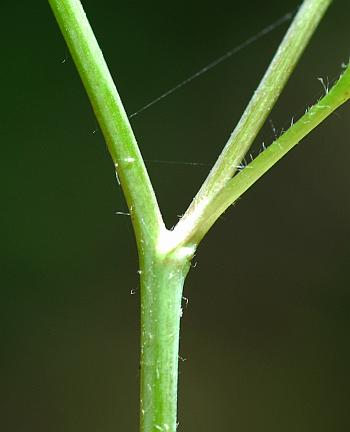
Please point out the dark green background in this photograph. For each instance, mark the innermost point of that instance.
(266, 331)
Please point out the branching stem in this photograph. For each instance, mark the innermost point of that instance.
(259, 107)
(235, 187)
(164, 255)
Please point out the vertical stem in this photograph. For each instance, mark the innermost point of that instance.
(162, 280)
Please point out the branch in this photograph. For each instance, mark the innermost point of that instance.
(291, 48)
(112, 119)
(242, 181)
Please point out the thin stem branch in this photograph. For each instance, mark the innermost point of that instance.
(112, 118)
(263, 100)
(242, 181)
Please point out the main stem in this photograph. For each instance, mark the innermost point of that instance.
(162, 279)
(165, 256)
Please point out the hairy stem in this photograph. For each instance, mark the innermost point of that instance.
(235, 187)
(165, 256)
(263, 100)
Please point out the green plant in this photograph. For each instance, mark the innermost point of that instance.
(165, 255)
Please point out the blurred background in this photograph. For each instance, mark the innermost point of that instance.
(265, 335)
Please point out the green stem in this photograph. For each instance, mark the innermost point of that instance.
(263, 100)
(162, 274)
(165, 256)
(112, 119)
(235, 187)
(162, 280)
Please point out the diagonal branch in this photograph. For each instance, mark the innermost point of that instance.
(235, 187)
(112, 118)
(263, 100)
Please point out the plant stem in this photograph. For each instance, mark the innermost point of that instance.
(235, 187)
(112, 119)
(259, 107)
(162, 281)
(165, 256)
(162, 275)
